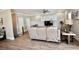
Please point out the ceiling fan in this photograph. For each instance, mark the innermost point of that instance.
(45, 11)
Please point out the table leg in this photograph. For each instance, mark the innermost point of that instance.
(71, 38)
(68, 39)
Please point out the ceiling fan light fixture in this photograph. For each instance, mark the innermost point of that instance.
(45, 11)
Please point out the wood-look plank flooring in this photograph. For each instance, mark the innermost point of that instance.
(25, 43)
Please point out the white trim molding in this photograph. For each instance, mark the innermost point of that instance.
(10, 38)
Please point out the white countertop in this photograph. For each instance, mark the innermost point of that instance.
(70, 33)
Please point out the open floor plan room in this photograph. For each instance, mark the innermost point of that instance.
(39, 29)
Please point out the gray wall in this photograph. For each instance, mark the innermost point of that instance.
(75, 28)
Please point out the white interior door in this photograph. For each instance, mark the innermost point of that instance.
(28, 23)
(25, 24)
(19, 25)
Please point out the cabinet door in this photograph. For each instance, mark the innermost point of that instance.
(52, 34)
(41, 33)
(33, 33)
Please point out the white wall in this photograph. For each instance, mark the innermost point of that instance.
(61, 16)
(7, 23)
(36, 20)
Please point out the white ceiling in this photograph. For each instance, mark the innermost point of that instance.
(37, 11)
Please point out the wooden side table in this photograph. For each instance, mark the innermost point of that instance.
(69, 35)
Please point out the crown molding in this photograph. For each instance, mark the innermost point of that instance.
(2, 10)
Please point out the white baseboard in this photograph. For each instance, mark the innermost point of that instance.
(10, 38)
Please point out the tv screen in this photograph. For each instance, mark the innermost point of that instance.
(48, 23)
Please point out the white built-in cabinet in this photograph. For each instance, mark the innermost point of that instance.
(45, 33)
(33, 33)
(41, 32)
(53, 34)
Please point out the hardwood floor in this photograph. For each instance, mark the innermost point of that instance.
(24, 43)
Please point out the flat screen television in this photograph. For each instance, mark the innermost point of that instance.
(48, 23)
